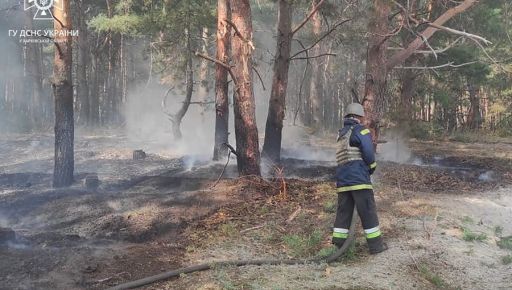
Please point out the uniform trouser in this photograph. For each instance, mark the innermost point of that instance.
(364, 201)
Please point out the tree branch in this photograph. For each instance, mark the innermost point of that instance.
(417, 43)
(259, 76)
(334, 27)
(437, 51)
(311, 14)
(219, 62)
(316, 56)
(462, 33)
(238, 33)
(450, 64)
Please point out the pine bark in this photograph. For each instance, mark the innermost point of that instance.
(376, 72)
(83, 63)
(474, 116)
(63, 94)
(316, 89)
(277, 103)
(204, 88)
(221, 80)
(246, 131)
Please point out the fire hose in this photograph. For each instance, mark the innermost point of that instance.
(239, 263)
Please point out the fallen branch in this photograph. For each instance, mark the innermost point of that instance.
(294, 215)
(251, 229)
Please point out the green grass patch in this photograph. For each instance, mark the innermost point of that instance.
(228, 230)
(330, 206)
(467, 220)
(498, 231)
(327, 252)
(470, 236)
(303, 245)
(432, 277)
(505, 243)
(506, 260)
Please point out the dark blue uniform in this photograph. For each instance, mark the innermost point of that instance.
(355, 189)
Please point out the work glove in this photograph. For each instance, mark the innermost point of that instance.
(371, 170)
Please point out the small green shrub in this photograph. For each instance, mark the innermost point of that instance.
(505, 243)
(330, 206)
(302, 245)
(228, 230)
(470, 236)
(327, 252)
(433, 278)
(467, 220)
(498, 230)
(506, 260)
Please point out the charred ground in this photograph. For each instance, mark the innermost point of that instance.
(166, 211)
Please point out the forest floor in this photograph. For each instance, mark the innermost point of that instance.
(445, 210)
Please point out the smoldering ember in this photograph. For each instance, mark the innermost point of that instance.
(256, 144)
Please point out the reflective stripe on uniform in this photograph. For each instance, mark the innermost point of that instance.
(373, 235)
(372, 230)
(365, 131)
(373, 165)
(354, 187)
(339, 230)
(340, 235)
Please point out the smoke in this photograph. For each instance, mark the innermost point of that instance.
(395, 149)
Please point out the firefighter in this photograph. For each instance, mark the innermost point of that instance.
(355, 158)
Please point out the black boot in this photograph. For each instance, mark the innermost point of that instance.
(338, 242)
(376, 245)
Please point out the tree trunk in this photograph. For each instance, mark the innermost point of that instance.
(178, 117)
(94, 100)
(63, 93)
(246, 131)
(204, 88)
(376, 73)
(315, 89)
(277, 103)
(34, 71)
(405, 109)
(221, 80)
(83, 84)
(474, 117)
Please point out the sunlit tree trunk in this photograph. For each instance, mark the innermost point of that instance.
(63, 94)
(315, 89)
(83, 63)
(221, 80)
(246, 131)
(204, 88)
(376, 72)
(277, 103)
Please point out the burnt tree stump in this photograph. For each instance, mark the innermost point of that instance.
(7, 235)
(139, 155)
(92, 182)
